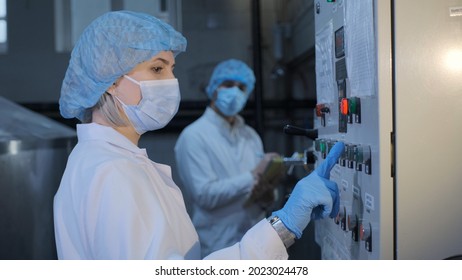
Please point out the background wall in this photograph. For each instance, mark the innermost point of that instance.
(31, 71)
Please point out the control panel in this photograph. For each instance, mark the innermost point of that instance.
(348, 111)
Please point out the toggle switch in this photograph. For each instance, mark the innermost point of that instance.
(363, 157)
(359, 155)
(365, 234)
(330, 145)
(367, 160)
(343, 156)
(353, 226)
(343, 219)
(321, 111)
(350, 154)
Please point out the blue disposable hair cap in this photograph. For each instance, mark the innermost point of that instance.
(231, 70)
(108, 48)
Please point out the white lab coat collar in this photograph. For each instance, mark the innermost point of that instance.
(94, 131)
(214, 117)
(230, 132)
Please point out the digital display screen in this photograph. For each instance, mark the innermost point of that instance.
(339, 43)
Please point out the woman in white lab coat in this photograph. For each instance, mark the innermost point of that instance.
(115, 203)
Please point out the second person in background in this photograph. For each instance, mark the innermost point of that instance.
(220, 162)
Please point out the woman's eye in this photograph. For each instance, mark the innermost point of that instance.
(157, 69)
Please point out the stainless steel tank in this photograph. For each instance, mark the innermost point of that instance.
(33, 155)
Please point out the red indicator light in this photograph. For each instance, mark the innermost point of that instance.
(344, 106)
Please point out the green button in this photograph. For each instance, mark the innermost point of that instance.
(359, 154)
(330, 145)
(353, 105)
(317, 145)
(322, 145)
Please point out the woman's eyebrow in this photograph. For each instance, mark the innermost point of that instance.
(161, 59)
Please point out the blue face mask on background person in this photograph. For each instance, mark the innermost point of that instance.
(160, 100)
(230, 101)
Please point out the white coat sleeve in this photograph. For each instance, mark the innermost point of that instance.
(261, 242)
(197, 174)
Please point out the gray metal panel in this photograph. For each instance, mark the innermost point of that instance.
(29, 180)
(33, 155)
(428, 124)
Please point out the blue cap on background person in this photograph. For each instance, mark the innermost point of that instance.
(231, 70)
(109, 48)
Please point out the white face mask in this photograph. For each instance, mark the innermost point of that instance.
(160, 100)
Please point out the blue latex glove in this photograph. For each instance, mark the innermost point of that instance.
(314, 196)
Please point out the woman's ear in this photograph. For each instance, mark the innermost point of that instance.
(112, 89)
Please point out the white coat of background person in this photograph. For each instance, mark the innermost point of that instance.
(115, 203)
(219, 161)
